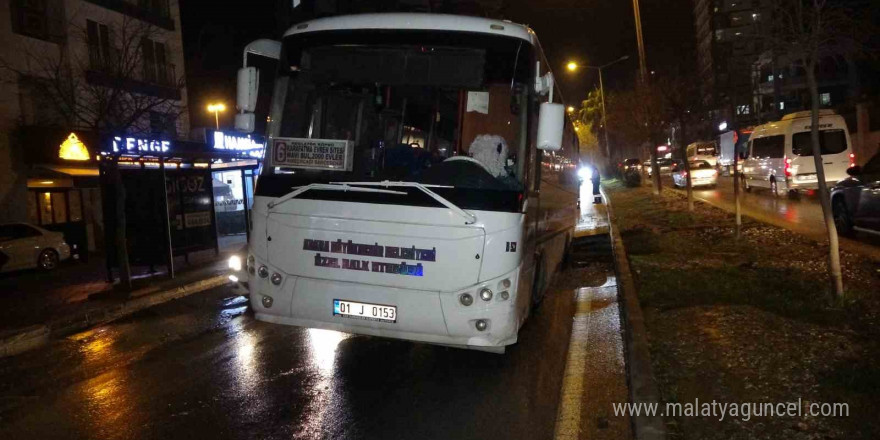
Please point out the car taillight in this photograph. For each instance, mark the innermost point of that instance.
(787, 167)
(852, 160)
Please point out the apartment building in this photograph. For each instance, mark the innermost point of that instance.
(74, 74)
(727, 48)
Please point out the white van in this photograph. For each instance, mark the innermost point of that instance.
(780, 154)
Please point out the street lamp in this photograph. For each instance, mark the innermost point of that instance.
(570, 109)
(216, 109)
(572, 66)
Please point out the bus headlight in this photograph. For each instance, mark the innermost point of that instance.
(585, 173)
(486, 294)
(504, 295)
(263, 271)
(235, 263)
(481, 325)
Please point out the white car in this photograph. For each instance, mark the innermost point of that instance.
(24, 246)
(702, 174)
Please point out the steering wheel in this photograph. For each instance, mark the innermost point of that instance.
(468, 159)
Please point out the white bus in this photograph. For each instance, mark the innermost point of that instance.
(402, 193)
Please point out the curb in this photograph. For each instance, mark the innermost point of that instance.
(38, 335)
(642, 388)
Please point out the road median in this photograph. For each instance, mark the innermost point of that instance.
(750, 321)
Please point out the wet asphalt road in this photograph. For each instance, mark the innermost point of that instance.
(802, 214)
(203, 367)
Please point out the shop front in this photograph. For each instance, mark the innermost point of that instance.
(63, 191)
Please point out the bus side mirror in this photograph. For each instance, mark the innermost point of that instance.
(854, 170)
(246, 98)
(248, 85)
(551, 121)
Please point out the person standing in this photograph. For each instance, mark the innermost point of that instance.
(596, 178)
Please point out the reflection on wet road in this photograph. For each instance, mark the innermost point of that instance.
(202, 367)
(802, 215)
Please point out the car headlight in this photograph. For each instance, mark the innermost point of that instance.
(235, 263)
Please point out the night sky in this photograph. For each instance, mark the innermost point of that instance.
(591, 31)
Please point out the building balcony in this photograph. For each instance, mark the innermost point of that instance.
(156, 12)
(158, 80)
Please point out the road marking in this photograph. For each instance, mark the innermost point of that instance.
(568, 418)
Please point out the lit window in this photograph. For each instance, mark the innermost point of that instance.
(825, 99)
(782, 106)
(769, 78)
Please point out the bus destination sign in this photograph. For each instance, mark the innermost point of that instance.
(321, 154)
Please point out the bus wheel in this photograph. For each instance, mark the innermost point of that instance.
(538, 284)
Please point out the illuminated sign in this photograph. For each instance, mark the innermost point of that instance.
(138, 145)
(662, 148)
(241, 143)
(73, 149)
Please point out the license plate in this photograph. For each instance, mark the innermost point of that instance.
(365, 311)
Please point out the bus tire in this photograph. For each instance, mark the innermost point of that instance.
(566, 254)
(538, 283)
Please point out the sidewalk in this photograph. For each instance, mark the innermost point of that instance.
(35, 306)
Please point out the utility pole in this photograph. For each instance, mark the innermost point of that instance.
(643, 67)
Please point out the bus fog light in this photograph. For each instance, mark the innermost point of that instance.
(486, 295)
(466, 299)
(234, 263)
(504, 295)
(263, 271)
(481, 325)
(276, 278)
(267, 301)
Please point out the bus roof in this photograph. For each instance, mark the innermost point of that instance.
(416, 21)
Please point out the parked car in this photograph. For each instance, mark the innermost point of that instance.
(855, 201)
(24, 246)
(702, 174)
(665, 166)
(780, 154)
(632, 164)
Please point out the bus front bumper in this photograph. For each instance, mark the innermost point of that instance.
(421, 315)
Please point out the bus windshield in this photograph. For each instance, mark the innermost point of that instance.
(437, 108)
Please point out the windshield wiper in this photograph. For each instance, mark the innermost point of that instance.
(471, 219)
(329, 187)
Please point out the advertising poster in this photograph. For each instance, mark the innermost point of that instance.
(190, 209)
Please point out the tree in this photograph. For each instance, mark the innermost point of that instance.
(590, 113)
(589, 143)
(637, 116)
(109, 88)
(808, 32)
(681, 98)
